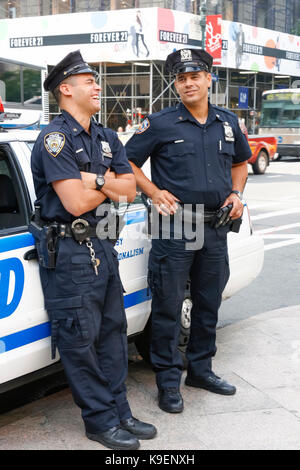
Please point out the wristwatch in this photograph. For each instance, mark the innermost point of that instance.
(99, 181)
(238, 193)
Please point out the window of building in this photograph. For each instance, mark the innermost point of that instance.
(19, 84)
(10, 76)
(32, 86)
(241, 78)
(261, 16)
(281, 81)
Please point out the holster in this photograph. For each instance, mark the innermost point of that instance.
(222, 218)
(46, 237)
(235, 225)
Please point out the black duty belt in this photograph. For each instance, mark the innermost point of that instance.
(209, 215)
(218, 218)
(68, 230)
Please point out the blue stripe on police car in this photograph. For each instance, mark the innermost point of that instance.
(9, 302)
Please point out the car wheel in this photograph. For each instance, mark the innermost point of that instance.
(261, 163)
(143, 341)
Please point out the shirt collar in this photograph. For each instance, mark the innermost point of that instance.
(185, 115)
(74, 125)
(217, 115)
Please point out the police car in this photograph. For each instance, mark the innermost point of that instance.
(24, 325)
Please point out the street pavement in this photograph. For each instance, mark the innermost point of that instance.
(260, 355)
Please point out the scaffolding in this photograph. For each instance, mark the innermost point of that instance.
(130, 91)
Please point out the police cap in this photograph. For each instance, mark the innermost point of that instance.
(72, 64)
(188, 60)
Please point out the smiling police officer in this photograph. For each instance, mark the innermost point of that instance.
(198, 156)
(77, 164)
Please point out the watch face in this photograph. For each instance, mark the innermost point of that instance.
(100, 181)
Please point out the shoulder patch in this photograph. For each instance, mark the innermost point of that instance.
(54, 143)
(143, 126)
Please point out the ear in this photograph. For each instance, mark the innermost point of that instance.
(66, 89)
(209, 79)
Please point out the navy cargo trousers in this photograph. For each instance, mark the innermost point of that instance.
(88, 326)
(171, 265)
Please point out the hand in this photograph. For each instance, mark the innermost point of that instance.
(164, 202)
(237, 206)
(89, 179)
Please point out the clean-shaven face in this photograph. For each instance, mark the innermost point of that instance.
(192, 87)
(85, 92)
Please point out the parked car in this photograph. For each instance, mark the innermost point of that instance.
(263, 148)
(24, 325)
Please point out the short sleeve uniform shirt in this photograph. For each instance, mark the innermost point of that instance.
(62, 150)
(191, 160)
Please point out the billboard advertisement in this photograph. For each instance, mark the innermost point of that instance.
(102, 36)
(147, 34)
(213, 39)
(258, 49)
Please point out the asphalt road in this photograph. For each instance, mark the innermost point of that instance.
(274, 203)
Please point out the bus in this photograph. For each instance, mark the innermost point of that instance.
(22, 99)
(280, 117)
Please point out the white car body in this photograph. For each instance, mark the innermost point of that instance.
(24, 324)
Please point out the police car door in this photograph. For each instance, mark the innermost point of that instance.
(133, 246)
(24, 327)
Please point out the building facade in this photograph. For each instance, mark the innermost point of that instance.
(279, 15)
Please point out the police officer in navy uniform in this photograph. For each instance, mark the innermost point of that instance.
(198, 156)
(77, 164)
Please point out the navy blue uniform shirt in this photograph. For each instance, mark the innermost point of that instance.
(191, 160)
(62, 150)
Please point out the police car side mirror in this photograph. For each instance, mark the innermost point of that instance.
(31, 254)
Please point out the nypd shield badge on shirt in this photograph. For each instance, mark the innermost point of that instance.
(106, 150)
(228, 132)
(54, 143)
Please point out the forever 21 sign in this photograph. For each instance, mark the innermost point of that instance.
(65, 39)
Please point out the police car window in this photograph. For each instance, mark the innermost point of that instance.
(12, 209)
(30, 145)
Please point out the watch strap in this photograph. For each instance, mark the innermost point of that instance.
(238, 193)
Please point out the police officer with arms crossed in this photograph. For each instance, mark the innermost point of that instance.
(77, 164)
(198, 156)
